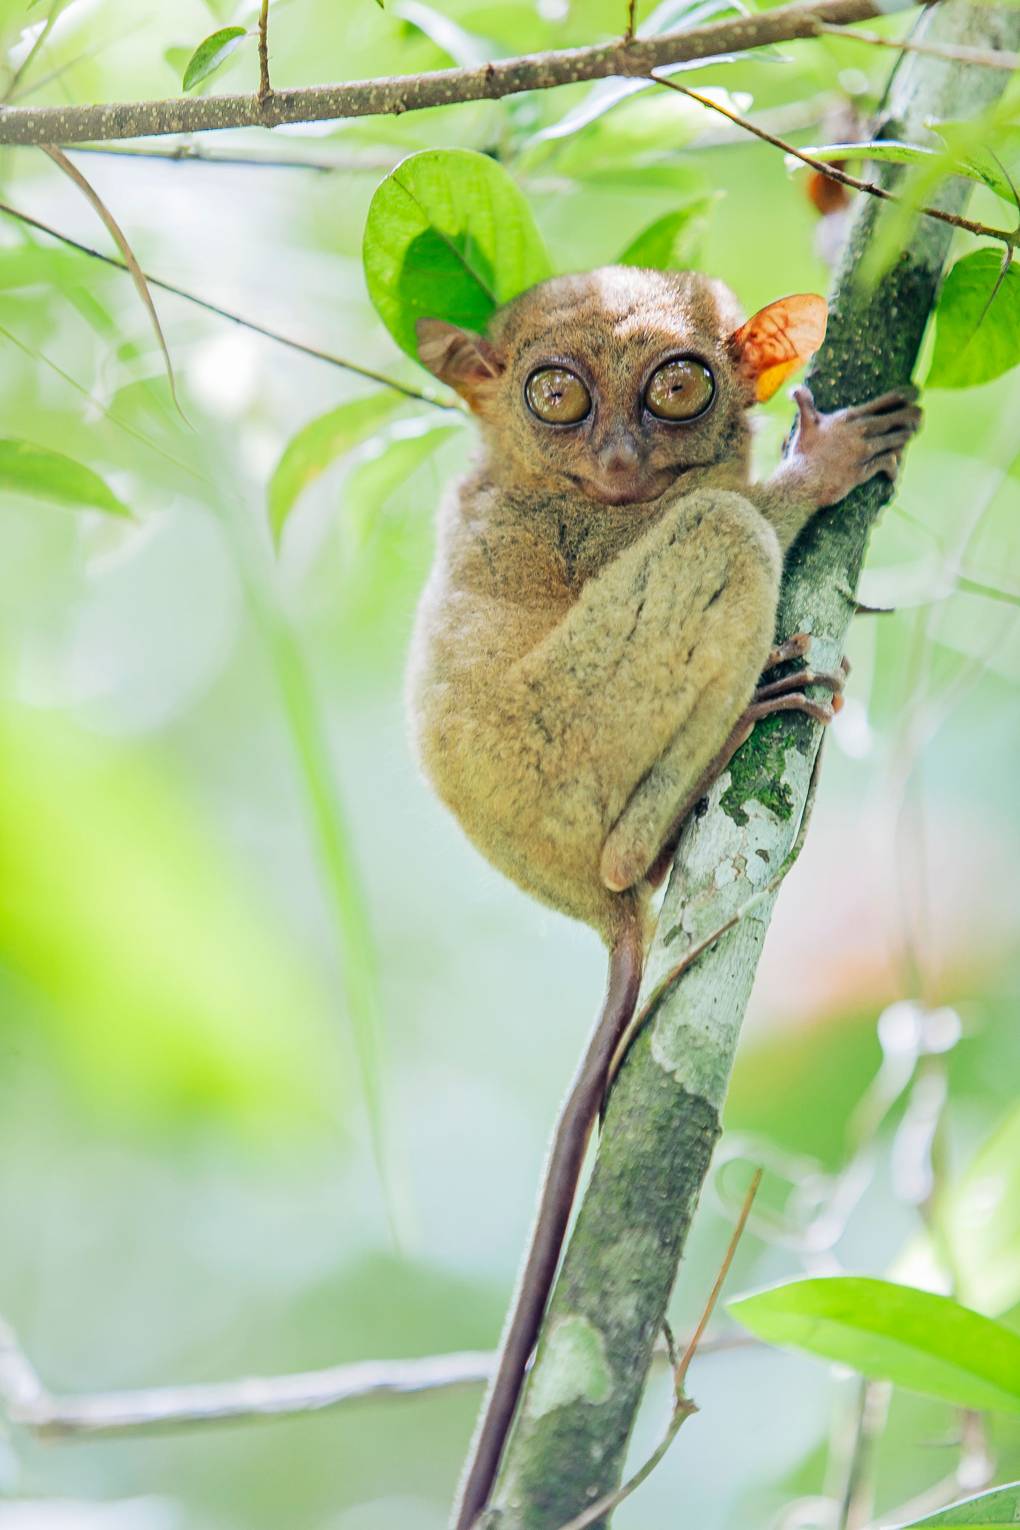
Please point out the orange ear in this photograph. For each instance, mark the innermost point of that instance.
(777, 340)
(458, 357)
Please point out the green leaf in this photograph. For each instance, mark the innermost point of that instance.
(915, 1339)
(672, 243)
(318, 444)
(882, 150)
(28, 469)
(977, 337)
(387, 462)
(998, 1509)
(449, 236)
(210, 54)
(979, 1216)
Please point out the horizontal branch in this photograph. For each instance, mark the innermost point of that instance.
(27, 1403)
(628, 57)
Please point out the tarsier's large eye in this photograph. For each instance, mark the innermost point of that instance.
(557, 396)
(680, 390)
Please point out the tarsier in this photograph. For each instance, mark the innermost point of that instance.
(590, 645)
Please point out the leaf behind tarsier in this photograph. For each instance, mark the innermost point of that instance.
(449, 235)
(138, 276)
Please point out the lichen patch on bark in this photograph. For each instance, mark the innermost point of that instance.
(574, 1369)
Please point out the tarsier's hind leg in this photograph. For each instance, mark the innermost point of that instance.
(642, 842)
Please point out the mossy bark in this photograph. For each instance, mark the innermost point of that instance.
(569, 1442)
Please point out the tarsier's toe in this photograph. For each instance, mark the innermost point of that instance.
(907, 419)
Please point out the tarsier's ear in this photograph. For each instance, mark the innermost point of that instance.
(459, 358)
(777, 340)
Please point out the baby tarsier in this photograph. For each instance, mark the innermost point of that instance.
(603, 604)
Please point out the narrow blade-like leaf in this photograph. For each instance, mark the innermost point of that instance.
(34, 470)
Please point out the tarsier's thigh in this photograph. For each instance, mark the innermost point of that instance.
(741, 636)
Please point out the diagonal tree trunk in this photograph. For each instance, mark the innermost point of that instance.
(570, 1439)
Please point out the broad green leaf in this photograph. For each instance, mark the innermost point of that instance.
(34, 470)
(979, 1217)
(166, 985)
(915, 1339)
(450, 236)
(977, 337)
(213, 51)
(998, 1509)
(387, 462)
(318, 444)
(672, 243)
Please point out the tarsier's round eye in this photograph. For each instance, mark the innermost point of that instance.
(557, 396)
(680, 390)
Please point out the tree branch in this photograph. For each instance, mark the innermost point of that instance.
(627, 57)
(28, 1404)
(1010, 237)
(570, 1439)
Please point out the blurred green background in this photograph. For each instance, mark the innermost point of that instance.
(227, 898)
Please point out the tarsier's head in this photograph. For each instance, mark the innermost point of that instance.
(612, 384)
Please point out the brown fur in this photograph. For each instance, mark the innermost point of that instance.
(604, 595)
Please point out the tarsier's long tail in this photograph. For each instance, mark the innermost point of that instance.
(566, 1156)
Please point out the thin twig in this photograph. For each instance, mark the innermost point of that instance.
(28, 1404)
(629, 57)
(631, 19)
(265, 89)
(985, 58)
(226, 313)
(188, 153)
(1010, 237)
(683, 1407)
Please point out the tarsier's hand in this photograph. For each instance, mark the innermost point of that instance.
(830, 454)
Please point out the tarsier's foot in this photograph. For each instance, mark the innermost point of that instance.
(834, 453)
(833, 681)
(784, 695)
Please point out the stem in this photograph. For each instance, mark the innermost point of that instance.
(265, 89)
(579, 1403)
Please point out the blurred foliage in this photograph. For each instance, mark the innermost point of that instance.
(222, 877)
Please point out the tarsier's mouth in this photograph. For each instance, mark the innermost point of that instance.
(638, 490)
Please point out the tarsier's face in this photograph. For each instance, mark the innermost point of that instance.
(613, 384)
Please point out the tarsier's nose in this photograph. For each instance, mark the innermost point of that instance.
(619, 456)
